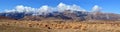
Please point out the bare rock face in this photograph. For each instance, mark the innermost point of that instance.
(103, 16)
(66, 15)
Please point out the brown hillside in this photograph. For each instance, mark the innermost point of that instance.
(6, 18)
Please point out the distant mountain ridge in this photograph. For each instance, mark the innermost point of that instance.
(66, 15)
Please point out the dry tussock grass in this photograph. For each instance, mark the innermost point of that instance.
(82, 26)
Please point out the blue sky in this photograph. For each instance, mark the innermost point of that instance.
(112, 6)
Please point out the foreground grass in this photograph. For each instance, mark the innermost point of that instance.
(58, 26)
(20, 29)
(23, 29)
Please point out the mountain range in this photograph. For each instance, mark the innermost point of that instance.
(66, 15)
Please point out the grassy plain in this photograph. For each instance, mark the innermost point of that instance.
(59, 26)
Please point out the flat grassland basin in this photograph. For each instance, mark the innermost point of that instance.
(59, 26)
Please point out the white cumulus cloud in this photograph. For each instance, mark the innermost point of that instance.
(96, 8)
(61, 7)
(20, 8)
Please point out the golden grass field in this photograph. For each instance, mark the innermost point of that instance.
(59, 26)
